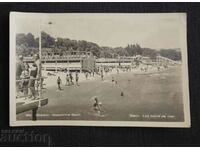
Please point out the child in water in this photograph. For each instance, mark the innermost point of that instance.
(97, 105)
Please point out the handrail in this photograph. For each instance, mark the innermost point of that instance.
(31, 79)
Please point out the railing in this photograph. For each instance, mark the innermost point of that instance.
(23, 106)
(57, 58)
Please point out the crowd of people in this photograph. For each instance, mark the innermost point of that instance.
(72, 78)
(29, 77)
(69, 80)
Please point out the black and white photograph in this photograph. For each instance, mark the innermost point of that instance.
(99, 69)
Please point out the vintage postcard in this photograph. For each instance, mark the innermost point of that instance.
(99, 69)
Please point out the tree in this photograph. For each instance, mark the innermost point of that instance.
(47, 40)
(138, 49)
(27, 44)
(21, 39)
(120, 51)
(27, 40)
(151, 53)
(30, 40)
(171, 54)
(134, 49)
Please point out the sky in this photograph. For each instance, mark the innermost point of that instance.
(114, 30)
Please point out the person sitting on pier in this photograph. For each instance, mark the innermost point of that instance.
(50, 74)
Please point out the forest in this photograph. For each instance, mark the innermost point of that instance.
(27, 45)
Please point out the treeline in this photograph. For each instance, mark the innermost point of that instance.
(28, 45)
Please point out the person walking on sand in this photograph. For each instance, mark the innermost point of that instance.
(77, 78)
(67, 80)
(59, 81)
(71, 78)
(86, 75)
(113, 79)
(93, 73)
(117, 71)
(102, 75)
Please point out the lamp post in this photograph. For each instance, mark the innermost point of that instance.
(50, 24)
(40, 60)
(40, 63)
(40, 39)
